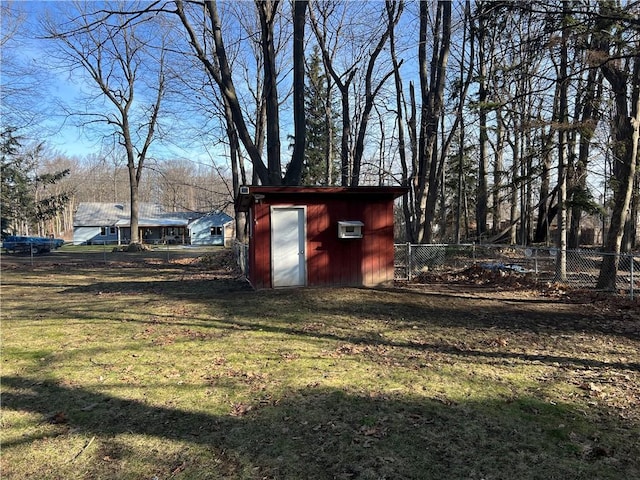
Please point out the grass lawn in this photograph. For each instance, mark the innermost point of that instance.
(143, 366)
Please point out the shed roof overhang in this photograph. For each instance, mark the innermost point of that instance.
(250, 194)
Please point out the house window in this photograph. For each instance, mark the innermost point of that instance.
(216, 231)
(103, 231)
(112, 230)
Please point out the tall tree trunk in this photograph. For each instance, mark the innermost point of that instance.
(345, 153)
(563, 120)
(589, 116)
(267, 15)
(527, 188)
(411, 206)
(625, 150)
(629, 238)
(329, 128)
(498, 172)
(541, 233)
(134, 183)
(294, 174)
(513, 186)
(429, 171)
(483, 161)
(460, 184)
(420, 175)
(405, 182)
(238, 175)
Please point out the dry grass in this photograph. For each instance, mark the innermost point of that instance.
(144, 368)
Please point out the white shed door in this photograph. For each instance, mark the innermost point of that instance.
(288, 263)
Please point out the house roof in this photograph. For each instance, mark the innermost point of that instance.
(214, 218)
(149, 215)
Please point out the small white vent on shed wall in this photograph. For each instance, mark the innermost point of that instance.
(350, 229)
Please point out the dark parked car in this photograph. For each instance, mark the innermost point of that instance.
(23, 244)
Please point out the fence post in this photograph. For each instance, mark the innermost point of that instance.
(631, 273)
(409, 261)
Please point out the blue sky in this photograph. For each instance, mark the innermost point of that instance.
(35, 88)
(32, 84)
(59, 90)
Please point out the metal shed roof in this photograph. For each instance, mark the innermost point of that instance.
(248, 194)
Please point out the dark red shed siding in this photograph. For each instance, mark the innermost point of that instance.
(329, 260)
(260, 247)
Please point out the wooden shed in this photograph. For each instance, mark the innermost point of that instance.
(319, 236)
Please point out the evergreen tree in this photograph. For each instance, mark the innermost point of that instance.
(24, 200)
(14, 182)
(320, 167)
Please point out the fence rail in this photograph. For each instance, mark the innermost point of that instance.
(582, 266)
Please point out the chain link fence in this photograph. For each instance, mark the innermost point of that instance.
(582, 266)
(108, 253)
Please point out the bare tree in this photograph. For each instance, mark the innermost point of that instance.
(432, 84)
(371, 91)
(114, 53)
(294, 174)
(400, 106)
(623, 76)
(217, 65)
(482, 189)
(588, 81)
(563, 118)
(267, 12)
(24, 84)
(342, 80)
(459, 89)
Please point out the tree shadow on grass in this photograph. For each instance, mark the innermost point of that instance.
(181, 288)
(396, 305)
(236, 306)
(447, 349)
(321, 433)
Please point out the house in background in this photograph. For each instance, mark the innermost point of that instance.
(319, 236)
(110, 223)
(214, 228)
